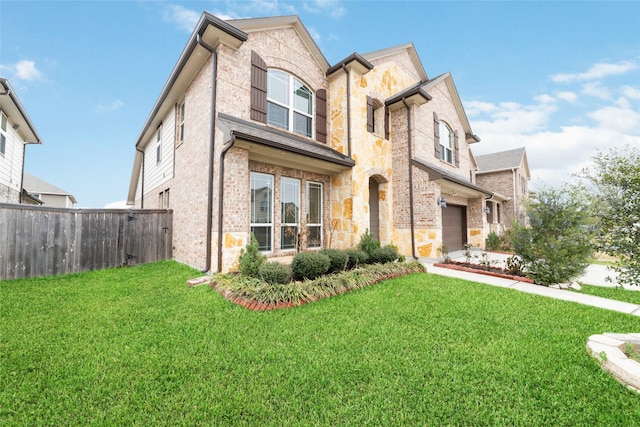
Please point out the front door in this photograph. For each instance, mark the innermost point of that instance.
(454, 227)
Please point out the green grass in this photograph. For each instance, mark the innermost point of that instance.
(626, 295)
(138, 347)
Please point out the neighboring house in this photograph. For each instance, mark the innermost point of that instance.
(506, 172)
(48, 194)
(16, 131)
(255, 132)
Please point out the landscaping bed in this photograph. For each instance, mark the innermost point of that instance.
(483, 269)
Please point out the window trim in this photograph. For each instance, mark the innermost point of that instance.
(4, 124)
(446, 151)
(283, 224)
(320, 213)
(181, 117)
(293, 82)
(269, 225)
(159, 145)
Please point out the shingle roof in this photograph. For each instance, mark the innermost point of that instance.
(500, 161)
(33, 184)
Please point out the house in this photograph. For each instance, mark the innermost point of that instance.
(16, 131)
(46, 193)
(255, 132)
(507, 172)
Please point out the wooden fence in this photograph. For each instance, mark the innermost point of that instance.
(41, 241)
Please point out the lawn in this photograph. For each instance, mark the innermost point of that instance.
(626, 295)
(137, 346)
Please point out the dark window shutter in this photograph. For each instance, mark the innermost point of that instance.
(436, 135)
(370, 125)
(321, 115)
(258, 88)
(386, 122)
(456, 148)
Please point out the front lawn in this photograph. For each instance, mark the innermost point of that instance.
(626, 295)
(138, 347)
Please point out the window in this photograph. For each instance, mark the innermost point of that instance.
(289, 103)
(163, 199)
(261, 209)
(159, 144)
(314, 215)
(446, 141)
(3, 134)
(523, 184)
(289, 212)
(181, 114)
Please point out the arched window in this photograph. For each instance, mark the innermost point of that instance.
(289, 103)
(446, 143)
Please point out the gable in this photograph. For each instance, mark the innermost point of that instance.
(405, 56)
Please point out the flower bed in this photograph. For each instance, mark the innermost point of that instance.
(482, 269)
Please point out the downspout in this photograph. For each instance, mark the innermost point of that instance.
(221, 198)
(409, 135)
(212, 138)
(142, 185)
(344, 68)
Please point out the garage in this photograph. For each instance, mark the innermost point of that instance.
(454, 227)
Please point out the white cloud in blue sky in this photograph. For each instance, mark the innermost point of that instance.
(574, 89)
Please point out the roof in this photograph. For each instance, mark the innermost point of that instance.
(331, 160)
(436, 173)
(12, 107)
(411, 50)
(503, 160)
(33, 184)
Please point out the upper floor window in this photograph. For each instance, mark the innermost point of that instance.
(3, 134)
(289, 103)
(446, 143)
(159, 144)
(181, 115)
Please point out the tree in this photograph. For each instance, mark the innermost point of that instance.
(615, 176)
(556, 245)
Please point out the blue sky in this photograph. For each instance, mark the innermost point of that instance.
(561, 78)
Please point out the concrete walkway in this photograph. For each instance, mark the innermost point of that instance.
(598, 275)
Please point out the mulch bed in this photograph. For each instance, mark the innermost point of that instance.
(482, 269)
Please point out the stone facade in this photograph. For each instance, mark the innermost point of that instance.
(382, 161)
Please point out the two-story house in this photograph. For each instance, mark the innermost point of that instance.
(255, 132)
(16, 131)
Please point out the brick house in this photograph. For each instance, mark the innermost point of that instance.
(506, 172)
(255, 132)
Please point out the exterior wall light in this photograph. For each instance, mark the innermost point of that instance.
(487, 210)
(442, 202)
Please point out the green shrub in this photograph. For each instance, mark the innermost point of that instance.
(514, 266)
(356, 258)
(389, 253)
(275, 273)
(338, 259)
(251, 259)
(368, 243)
(493, 242)
(309, 265)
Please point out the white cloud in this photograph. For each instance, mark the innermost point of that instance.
(333, 8)
(630, 92)
(567, 96)
(597, 90)
(120, 204)
(113, 106)
(545, 99)
(23, 70)
(475, 108)
(620, 117)
(184, 18)
(596, 72)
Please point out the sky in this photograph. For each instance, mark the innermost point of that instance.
(559, 78)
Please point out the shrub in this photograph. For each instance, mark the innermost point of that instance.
(493, 242)
(389, 253)
(275, 273)
(368, 243)
(309, 265)
(251, 259)
(514, 266)
(356, 258)
(338, 259)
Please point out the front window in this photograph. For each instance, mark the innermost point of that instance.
(262, 209)
(446, 142)
(289, 212)
(289, 103)
(181, 114)
(314, 215)
(3, 134)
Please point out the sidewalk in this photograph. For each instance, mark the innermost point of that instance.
(598, 275)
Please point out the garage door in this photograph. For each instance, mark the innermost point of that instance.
(454, 227)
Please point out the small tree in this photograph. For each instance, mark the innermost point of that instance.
(251, 259)
(556, 246)
(616, 178)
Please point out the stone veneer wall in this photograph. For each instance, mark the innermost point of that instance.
(502, 183)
